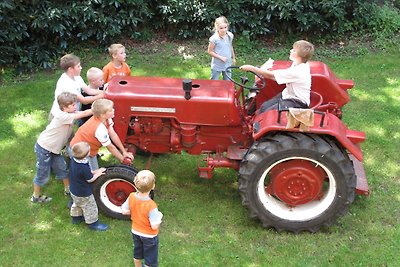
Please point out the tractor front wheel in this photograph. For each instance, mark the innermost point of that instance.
(296, 182)
(112, 189)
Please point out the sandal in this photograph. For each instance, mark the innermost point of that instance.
(41, 199)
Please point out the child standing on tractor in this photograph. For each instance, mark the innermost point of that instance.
(71, 81)
(297, 79)
(146, 220)
(95, 79)
(50, 143)
(98, 131)
(84, 207)
(117, 66)
(220, 49)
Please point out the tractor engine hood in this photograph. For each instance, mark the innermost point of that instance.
(208, 102)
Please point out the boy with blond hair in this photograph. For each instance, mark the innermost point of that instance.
(71, 81)
(146, 220)
(297, 79)
(95, 79)
(50, 143)
(84, 207)
(98, 131)
(117, 66)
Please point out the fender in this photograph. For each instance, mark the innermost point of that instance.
(324, 123)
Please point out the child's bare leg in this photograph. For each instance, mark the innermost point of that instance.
(36, 190)
(138, 263)
(66, 186)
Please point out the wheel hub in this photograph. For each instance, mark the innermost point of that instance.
(118, 191)
(296, 182)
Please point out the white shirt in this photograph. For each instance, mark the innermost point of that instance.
(66, 84)
(298, 82)
(57, 133)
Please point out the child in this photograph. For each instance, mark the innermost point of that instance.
(95, 79)
(84, 207)
(50, 143)
(71, 81)
(98, 131)
(221, 50)
(117, 65)
(146, 220)
(297, 79)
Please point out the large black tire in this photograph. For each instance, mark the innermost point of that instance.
(296, 182)
(112, 189)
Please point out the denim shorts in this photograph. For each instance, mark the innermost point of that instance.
(47, 162)
(146, 248)
(216, 73)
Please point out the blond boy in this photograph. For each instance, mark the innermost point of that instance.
(146, 219)
(117, 66)
(98, 131)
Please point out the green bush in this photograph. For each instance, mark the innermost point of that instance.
(35, 33)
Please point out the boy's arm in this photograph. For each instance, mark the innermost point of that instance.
(90, 99)
(82, 114)
(263, 72)
(90, 91)
(125, 207)
(115, 138)
(155, 217)
(96, 174)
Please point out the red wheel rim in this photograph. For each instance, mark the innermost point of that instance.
(296, 182)
(118, 191)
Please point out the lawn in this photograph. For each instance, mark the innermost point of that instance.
(204, 222)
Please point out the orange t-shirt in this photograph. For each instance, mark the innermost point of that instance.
(110, 71)
(87, 133)
(140, 210)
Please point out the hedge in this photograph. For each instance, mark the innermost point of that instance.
(34, 33)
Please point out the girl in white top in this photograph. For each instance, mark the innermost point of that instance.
(221, 50)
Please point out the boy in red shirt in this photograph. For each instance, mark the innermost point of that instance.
(146, 220)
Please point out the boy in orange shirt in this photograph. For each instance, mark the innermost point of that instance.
(117, 66)
(98, 131)
(146, 220)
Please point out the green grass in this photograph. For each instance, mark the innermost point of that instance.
(204, 223)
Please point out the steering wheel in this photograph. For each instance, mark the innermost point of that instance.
(247, 77)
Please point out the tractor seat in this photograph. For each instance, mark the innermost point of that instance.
(315, 100)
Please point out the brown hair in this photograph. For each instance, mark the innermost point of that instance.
(65, 99)
(304, 49)
(80, 150)
(69, 60)
(144, 181)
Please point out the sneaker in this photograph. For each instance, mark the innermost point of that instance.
(77, 219)
(67, 192)
(41, 199)
(98, 226)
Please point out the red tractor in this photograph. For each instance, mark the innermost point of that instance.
(290, 178)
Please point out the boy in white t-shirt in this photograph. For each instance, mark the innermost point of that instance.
(297, 79)
(71, 81)
(50, 143)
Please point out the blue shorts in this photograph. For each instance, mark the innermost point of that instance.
(146, 248)
(47, 162)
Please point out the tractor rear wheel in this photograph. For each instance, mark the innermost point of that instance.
(112, 189)
(296, 182)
